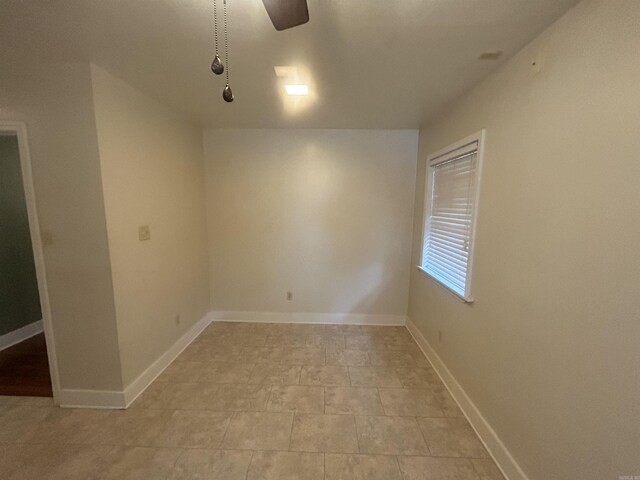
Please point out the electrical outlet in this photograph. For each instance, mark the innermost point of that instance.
(177, 319)
(144, 233)
(289, 296)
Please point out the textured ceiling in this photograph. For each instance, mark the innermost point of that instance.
(370, 63)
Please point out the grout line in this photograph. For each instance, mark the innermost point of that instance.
(324, 466)
(355, 427)
(399, 469)
(293, 419)
(249, 465)
(324, 400)
(424, 438)
(226, 430)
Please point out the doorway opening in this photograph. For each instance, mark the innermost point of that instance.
(27, 358)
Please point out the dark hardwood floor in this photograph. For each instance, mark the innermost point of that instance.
(24, 369)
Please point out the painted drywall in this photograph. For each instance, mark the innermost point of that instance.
(152, 174)
(549, 349)
(324, 214)
(19, 300)
(55, 102)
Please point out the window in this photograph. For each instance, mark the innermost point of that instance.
(453, 177)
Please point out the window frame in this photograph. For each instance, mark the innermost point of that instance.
(478, 137)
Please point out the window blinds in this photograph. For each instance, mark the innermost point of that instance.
(449, 222)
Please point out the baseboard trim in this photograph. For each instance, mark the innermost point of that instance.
(304, 317)
(20, 335)
(140, 384)
(500, 454)
(106, 399)
(123, 399)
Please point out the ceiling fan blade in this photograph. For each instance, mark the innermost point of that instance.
(287, 13)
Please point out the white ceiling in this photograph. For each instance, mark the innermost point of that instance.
(371, 63)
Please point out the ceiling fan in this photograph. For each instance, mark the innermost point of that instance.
(287, 13)
(284, 14)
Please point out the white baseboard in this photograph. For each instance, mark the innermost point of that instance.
(303, 317)
(503, 458)
(122, 399)
(146, 378)
(20, 335)
(69, 398)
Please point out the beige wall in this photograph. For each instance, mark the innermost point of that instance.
(326, 214)
(549, 350)
(54, 100)
(153, 174)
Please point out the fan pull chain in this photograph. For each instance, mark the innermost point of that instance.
(227, 94)
(216, 66)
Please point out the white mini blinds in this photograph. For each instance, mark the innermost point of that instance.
(451, 203)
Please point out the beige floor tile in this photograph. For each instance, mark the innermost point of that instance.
(410, 402)
(68, 426)
(399, 342)
(267, 354)
(132, 427)
(80, 462)
(324, 433)
(182, 372)
(192, 429)
(359, 341)
(241, 398)
(274, 377)
(374, 377)
(418, 377)
(259, 431)
(325, 330)
(325, 341)
(287, 340)
(297, 399)
(16, 459)
(222, 372)
(54, 462)
(211, 465)
(349, 329)
(429, 468)
(415, 352)
(248, 339)
(137, 463)
(395, 358)
(347, 357)
(26, 401)
(361, 467)
(303, 356)
(187, 396)
(271, 374)
(228, 353)
(324, 375)
(286, 466)
(16, 421)
(390, 436)
(448, 404)
(152, 396)
(352, 400)
(451, 437)
(487, 469)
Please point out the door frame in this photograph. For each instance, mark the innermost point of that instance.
(19, 129)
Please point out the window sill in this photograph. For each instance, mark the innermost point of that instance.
(459, 297)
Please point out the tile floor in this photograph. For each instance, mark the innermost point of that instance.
(261, 402)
